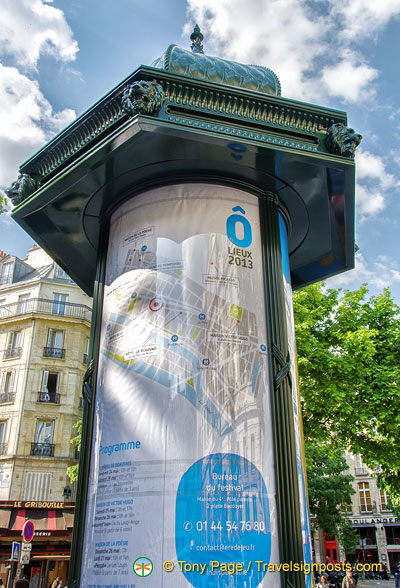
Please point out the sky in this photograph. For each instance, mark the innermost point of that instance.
(57, 58)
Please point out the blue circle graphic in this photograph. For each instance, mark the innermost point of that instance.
(222, 514)
(202, 316)
(143, 248)
(263, 347)
(174, 338)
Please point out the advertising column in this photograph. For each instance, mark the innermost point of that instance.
(182, 466)
(300, 458)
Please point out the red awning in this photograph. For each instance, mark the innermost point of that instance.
(44, 520)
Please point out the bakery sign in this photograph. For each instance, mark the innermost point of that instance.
(375, 520)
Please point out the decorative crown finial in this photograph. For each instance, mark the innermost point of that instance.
(196, 37)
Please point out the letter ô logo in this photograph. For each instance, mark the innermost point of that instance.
(231, 226)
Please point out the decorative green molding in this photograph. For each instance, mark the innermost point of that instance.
(340, 140)
(143, 98)
(19, 190)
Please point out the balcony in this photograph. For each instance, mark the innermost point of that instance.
(46, 449)
(3, 448)
(49, 397)
(54, 352)
(43, 306)
(7, 398)
(362, 472)
(85, 358)
(12, 353)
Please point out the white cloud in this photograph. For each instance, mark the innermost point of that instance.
(349, 79)
(27, 120)
(369, 200)
(373, 183)
(312, 46)
(31, 28)
(379, 274)
(373, 167)
(364, 17)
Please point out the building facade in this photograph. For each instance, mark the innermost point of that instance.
(370, 515)
(44, 336)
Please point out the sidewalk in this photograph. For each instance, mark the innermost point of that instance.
(376, 583)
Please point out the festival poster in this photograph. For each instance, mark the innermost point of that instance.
(182, 466)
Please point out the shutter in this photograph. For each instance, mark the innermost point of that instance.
(45, 377)
(3, 381)
(37, 486)
(11, 382)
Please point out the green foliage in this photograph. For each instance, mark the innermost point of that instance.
(72, 471)
(328, 486)
(349, 370)
(329, 492)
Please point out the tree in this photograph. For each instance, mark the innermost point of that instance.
(72, 471)
(349, 371)
(329, 493)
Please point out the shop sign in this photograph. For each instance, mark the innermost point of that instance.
(375, 520)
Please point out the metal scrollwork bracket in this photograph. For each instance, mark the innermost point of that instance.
(284, 364)
(87, 389)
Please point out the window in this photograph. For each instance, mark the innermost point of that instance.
(14, 348)
(7, 381)
(3, 430)
(55, 344)
(361, 470)
(49, 387)
(43, 439)
(346, 508)
(59, 301)
(365, 497)
(6, 273)
(37, 486)
(384, 500)
(61, 274)
(23, 304)
(7, 393)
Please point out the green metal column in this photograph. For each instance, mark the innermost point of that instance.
(89, 395)
(287, 490)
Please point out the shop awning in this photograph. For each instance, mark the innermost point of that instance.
(44, 520)
(5, 514)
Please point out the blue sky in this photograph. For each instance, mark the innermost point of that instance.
(58, 58)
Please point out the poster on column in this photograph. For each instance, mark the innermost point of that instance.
(182, 485)
(300, 458)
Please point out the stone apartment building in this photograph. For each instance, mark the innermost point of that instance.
(44, 335)
(378, 528)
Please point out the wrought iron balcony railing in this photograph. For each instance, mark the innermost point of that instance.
(3, 448)
(43, 306)
(46, 449)
(7, 397)
(49, 397)
(12, 353)
(54, 352)
(362, 472)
